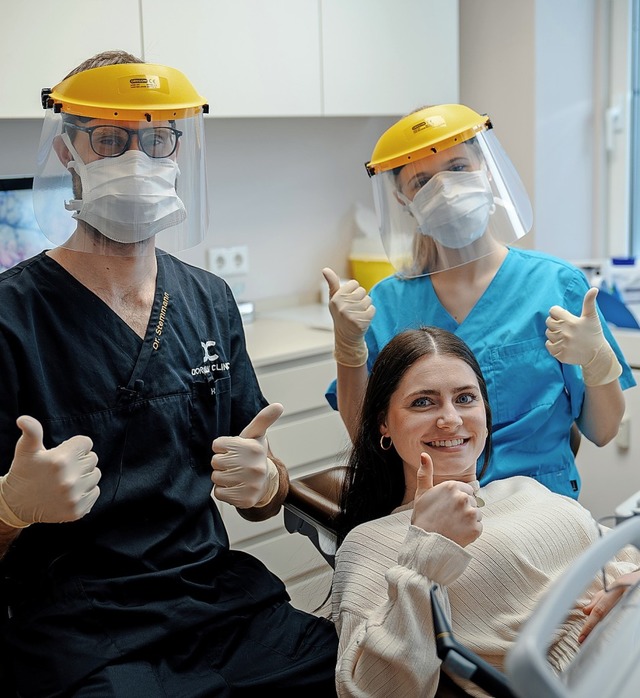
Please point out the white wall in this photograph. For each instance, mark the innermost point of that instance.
(287, 187)
(531, 66)
(565, 113)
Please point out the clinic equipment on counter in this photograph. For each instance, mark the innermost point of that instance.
(630, 507)
(620, 277)
(368, 261)
(615, 311)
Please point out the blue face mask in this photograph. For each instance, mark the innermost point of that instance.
(453, 207)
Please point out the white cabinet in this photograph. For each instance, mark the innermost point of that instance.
(386, 57)
(309, 57)
(43, 41)
(294, 365)
(246, 57)
(611, 474)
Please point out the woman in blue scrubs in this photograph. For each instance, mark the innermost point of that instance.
(450, 204)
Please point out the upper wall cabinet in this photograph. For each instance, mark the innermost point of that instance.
(40, 42)
(387, 57)
(246, 57)
(309, 57)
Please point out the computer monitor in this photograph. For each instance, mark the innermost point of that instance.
(20, 235)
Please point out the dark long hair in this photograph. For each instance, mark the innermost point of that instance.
(374, 485)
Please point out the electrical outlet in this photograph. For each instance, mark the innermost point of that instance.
(239, 259)
(229, 261)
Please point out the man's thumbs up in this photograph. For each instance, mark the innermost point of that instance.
(257, 427)
(242, 474)
(31, 440)
(48, 485)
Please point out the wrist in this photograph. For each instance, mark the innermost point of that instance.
(604, 368)
(352, 355)
(273, 483)
(7, 515)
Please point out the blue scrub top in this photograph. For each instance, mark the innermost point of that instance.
(534, 398)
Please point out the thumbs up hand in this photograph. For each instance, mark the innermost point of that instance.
(242, 474)
(352, 311)
(580, 340)
(48, 485)
(448, 508)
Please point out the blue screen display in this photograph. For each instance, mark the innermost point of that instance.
(20, 235)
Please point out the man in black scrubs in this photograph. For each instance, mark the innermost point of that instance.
(125, 391)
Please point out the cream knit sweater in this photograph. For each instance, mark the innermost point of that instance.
(385, 568)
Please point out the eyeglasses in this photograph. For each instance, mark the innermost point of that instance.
(113, 141)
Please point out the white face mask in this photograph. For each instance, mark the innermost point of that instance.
(453, 207)
(128, 198)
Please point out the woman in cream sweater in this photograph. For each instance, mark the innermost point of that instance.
(414, 515)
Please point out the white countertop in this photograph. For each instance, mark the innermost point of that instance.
(287, 334)
(315, 315)
(304, 330)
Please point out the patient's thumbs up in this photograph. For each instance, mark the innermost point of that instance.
(447, 508)
(424, 480)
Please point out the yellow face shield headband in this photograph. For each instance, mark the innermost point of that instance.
(126, 92)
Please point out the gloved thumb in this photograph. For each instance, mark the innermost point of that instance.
(257, 427)
(31, 439)
(589, 303)
(332, 279)
(424, 479)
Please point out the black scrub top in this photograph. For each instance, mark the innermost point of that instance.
(151, 560)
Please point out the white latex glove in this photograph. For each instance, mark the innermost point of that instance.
(48, 486)
(242, 474)
(580, 340)
(352, 311)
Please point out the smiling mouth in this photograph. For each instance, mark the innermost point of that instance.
(446, 443)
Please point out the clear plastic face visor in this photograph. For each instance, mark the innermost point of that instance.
(451, 208)
(123, 188)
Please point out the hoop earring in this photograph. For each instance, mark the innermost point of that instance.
(388, 446)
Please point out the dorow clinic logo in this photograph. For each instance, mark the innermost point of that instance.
(210, 360)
